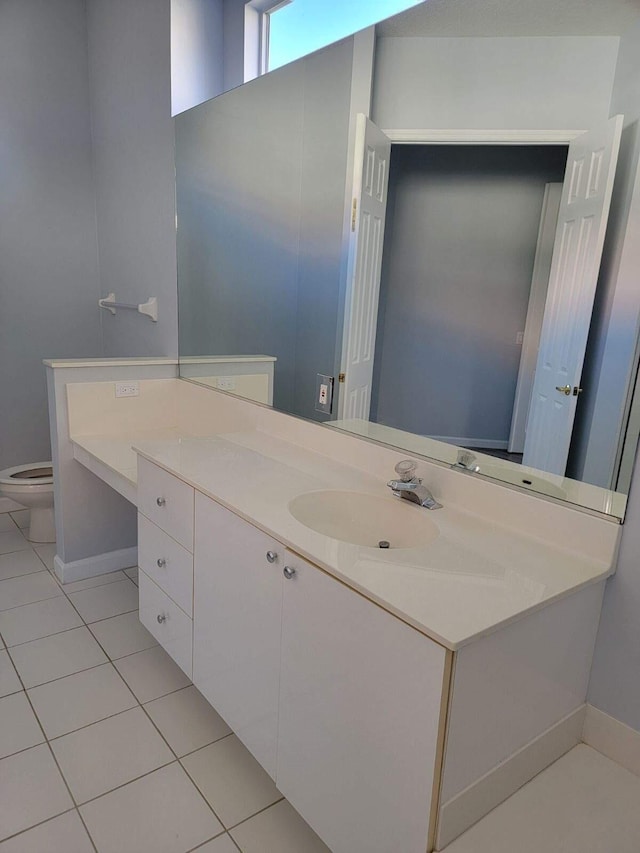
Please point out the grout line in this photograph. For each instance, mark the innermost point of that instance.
(124, 784)
(214, 838)
(33, 826)
(260, 811)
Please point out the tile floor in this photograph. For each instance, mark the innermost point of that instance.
(105, 745)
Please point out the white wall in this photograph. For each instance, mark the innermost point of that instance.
(133, 145)
(196, 52)
(534, 83)
(48, 253)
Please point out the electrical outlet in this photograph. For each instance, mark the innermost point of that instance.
(226, 383)
(324, 393)
(127, 389)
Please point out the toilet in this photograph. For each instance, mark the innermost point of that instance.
(32, 487)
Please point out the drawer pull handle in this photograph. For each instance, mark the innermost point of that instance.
(271, 556)
(161, 617)
(161, 562)
(160, 501)
(288, 572)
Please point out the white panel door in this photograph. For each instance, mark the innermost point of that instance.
(237, 618)
(582, 223)
(371, 182)
(359, 717)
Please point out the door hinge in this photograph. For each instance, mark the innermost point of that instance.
(354, 212)
(342, 377)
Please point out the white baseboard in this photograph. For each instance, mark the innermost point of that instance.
(80, 570)
(612, 738)
(476, 443)
(472, 804)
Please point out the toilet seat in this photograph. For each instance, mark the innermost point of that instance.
(19, 475)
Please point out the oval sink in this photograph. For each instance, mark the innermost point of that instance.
(363, 519)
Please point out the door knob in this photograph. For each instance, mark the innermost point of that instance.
(161, 563)
(161, 617)
(160, 501)
(271, 556)
(564, 389)
(288, 572)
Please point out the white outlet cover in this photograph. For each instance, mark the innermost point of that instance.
(127, 389)
(226, 383)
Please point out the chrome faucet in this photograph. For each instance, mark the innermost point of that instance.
(410, 487)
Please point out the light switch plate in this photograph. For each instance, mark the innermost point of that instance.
(324, 393)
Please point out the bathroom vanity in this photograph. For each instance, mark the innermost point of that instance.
(394, 695)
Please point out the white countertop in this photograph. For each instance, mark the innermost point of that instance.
(473, 578)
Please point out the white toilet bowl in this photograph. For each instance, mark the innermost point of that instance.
(32, 486)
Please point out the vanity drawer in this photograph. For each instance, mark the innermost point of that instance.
(167, 563)
(168, 624)
(167, 501)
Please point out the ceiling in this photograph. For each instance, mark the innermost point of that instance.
(484, 18)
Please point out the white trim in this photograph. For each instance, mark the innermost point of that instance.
(110, 476)
(476, 801)
(99, 564)
(463, 441)
(612, 738)
(452, 136)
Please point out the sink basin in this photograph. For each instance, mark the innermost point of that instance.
(363, 519)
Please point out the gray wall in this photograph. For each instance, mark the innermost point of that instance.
(460, 241)
(532, 83)
(260, 192)
(130, 83)
(48, 255)
(615, 678)
(196, 52)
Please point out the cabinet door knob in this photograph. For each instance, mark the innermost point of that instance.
(271, 556)
(161, 562)
(288, 572)
(160, 501)
(161, 617)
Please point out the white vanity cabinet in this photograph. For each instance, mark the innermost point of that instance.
(165, 541)
(337, 699)
(237, 619)
(359, 716)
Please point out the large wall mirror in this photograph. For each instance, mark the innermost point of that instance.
(423, 234)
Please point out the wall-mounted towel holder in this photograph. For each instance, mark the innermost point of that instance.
(150, 307)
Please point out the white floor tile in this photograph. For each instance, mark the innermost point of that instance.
(6, 523)
(63, 834)
(19, 563)
(160, 813)
(110, 753)
(9, 681)
(78, 700)
(279, 829)
(15, 592)
(12, 540)
(97, 580)
(101, 602)
(54, 657)
(151, 674)
(32, 790)
(232, 781)
(32, 621)
(221, 844)
(122, 635)
(187, 720)
(22, 517)
(583, 803)
(132, 574)
(19, 728)
(46, 552)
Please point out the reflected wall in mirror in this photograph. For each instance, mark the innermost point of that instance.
(440, 257)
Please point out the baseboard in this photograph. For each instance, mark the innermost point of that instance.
(472, 804)
(89, 567)
(612, 738)
(476, 443)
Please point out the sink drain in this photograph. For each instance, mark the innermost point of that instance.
(383, 544)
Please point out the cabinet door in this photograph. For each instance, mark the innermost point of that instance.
(360, 695)
(237, 622)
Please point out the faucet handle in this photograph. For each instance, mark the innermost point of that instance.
(406, 469)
